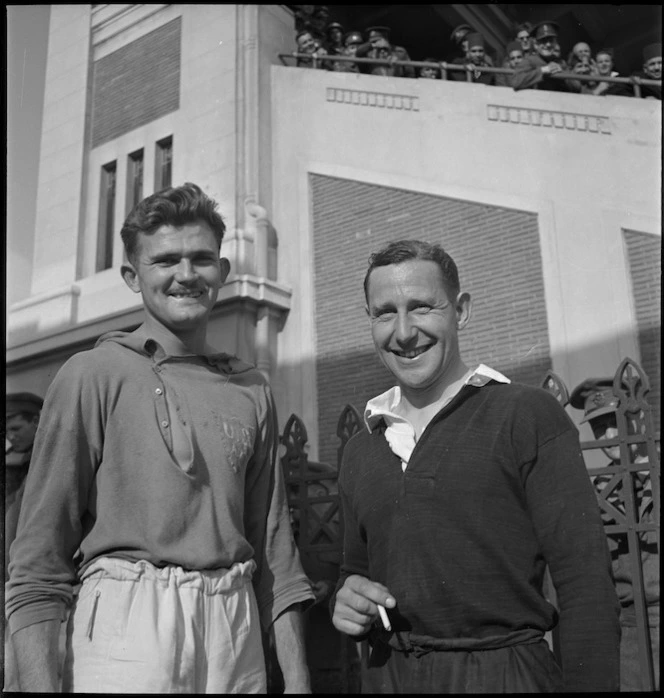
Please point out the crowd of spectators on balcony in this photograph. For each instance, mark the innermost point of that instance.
(533, 57)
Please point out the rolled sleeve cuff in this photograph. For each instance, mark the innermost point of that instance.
(297, 591)
(36, 613)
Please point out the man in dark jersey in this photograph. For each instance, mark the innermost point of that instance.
(460, 491)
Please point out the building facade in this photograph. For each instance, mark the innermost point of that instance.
(549, 202)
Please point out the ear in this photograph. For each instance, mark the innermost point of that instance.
(130, 277)
(463, 309)
(225, 268)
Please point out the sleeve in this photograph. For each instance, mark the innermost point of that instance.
(279, 580)
(458, 75)
(355, 558)
(568, 525)
(528, 74)
(504, 79)
(66, 453)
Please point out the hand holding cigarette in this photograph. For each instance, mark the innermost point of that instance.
(383, 616)
(359, 603)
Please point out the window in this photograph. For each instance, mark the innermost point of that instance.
(163, 163)
(106, 217)
(134, 179)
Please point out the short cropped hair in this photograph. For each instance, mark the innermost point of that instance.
(406, 250)
(171, 206)
(302, 33)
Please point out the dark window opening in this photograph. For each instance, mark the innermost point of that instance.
(134, 179)
(163, 163)
(106, 217)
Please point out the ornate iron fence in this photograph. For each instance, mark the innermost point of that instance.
(628, 494)
(628, 490)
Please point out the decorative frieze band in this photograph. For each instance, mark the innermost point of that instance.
(547, 118)
(373, 99)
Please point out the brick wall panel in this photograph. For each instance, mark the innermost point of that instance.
(136, 84)
(496, 249)
(644, 255)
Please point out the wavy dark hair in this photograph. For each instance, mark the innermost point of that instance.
(171, 206)
(406, 250)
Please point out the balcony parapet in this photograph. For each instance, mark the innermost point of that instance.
(321, 61)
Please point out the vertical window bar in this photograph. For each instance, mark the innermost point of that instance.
(134, 179)
(164, 163)
(106, 217)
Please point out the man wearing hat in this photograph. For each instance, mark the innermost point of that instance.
(475, 60)
(652, 70)
(536, 71)
(334, 34)
(22, 418)
(458, 38)
(513, 57)
(378, 39)
(596, 397)
(351, 41)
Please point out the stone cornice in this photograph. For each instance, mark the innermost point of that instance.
(24, 345)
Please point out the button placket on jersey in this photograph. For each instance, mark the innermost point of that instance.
(162, 410)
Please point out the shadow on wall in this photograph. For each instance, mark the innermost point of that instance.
(358, 376)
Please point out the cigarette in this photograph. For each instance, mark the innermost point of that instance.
(383, 616)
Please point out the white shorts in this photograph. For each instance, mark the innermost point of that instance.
(137, 628)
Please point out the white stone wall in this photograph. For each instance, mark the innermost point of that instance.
(587, 166)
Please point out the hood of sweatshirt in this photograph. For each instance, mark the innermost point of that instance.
(141, 342)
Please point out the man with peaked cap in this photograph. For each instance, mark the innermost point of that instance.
(652, 70)
(457, 37)
(378, 36)
(334, 34)
(536, 71)
(21, 421)
(596, 397)
(351, 41)
(474, 60)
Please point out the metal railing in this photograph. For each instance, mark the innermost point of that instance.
(319, 529)
(444, 67)
(630, 508)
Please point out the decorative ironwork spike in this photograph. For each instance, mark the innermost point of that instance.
(631, 385)
(555, 385)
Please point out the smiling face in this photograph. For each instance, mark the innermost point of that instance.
(414, 325)
(178, 272)
(653, 68)
(306, 43)
(604, 63)
(548, 47)
(476, 55)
